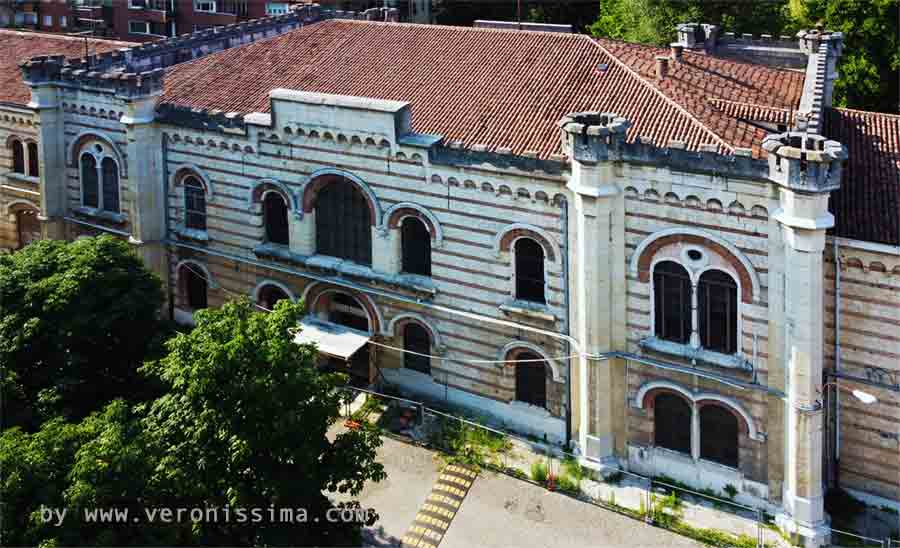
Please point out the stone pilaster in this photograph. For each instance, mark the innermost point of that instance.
(302, 232)
(593, 141)
(806, 168)
(386, 250)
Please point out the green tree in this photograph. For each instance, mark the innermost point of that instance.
(244, 425)
(76, 322)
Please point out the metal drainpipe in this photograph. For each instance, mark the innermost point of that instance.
(564, 220)
(837, 360)
(165, 185)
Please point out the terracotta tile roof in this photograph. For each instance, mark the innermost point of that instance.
(493, 87)
(867, 207)
(755, 113)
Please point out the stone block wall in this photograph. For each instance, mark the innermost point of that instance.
(16, 191)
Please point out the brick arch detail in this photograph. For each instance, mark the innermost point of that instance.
(322, 178)
(21, 205)
(77, 145)
(183, 171)
(512, 350)
(742, 423)
(399, 322)
(262, 186)
(314, 292)
(645, 252)
(504, 240)
(395, 216)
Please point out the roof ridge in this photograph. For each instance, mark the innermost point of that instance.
(858, 111)
(65, 37)
(457, 28)
(665, 97)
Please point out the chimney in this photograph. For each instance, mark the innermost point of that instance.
(662, 67)
(677, 51)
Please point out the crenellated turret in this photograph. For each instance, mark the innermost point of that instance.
(804, 162)
(591, 137)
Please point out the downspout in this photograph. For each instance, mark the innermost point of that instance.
(165, 184)
(564, 220)
(837, 360)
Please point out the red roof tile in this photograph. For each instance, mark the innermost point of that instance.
(21, 46)
(493, 87)
(867, 206)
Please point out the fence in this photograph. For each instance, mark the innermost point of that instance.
(712, 518)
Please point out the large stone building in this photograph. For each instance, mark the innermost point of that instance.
(662, 256)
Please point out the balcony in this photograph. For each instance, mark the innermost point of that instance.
(166, 6)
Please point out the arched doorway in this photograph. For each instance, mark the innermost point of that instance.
(28, 227)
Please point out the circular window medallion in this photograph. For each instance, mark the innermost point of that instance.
(694, 255)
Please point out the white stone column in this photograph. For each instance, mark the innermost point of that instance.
(302, 232)
(51, 158)
(386, 250)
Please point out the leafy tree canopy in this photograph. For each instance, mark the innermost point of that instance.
(76, 322)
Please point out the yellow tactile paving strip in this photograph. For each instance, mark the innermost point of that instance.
(440, 507)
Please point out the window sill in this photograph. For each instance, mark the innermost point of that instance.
(730, 361)
(343, 267)
(530, 310)
(191, 234)
(22, 178)
(94, 213)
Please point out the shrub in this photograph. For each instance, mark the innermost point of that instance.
(731, 491)
(539, 472)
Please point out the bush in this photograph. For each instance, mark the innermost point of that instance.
(569, 485)
(539, 472)
(731, 491)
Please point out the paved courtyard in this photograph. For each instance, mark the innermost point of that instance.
(499, 511)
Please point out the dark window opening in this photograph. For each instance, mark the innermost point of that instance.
(29, 227)
(18, 150)
(416, 243)
(269, 295)
(275, 214)
(90, 193)
(530, 271)
(672, 423)
(195, 287)
(345, 310)
(194, 204)
(717, 308)
(33, 169)
(110, 185)
(416, 339)
(672, 302)
(344, 223)
(718, 435)
(531, 380)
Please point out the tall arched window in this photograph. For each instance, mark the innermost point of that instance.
(33, 160)
(195, 287)
(529, 271)
(90, 193)
(345, 310)
(28, 226)
(269, 295)
(18, 151)
(194, 204)
(672, 302)
(344, 223)
(417, 344)
(275, 214)
(110, 185)
(717, 306)
(416, 243)
(531, 379)
(718, 435)
(672, 418)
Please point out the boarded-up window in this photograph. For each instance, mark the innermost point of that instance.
(531, 379)
(529, 271)
(110, 185)
(275, 214)
(718, 435)
(672, 302)
(90, 193)
(417, 345)
(717, 304)
(194, 204)
(344, 223)
(672, 423)
(416, 243)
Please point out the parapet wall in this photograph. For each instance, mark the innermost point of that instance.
(783, 51)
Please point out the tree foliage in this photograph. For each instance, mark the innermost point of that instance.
(869, 65)
(76, 322)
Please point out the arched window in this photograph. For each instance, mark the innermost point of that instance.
(344, 223)
(33, 160)
(672, 302)
(672, 423)
(194, 204)
(717, 306)
(416, 243)
(531, 379)
(90, 193)
(110, 185)
(275, 214)
(195, 286)
(18, 151)
(529, 271)
(345, 310)
(270, 294)
(718, 435)
(416, 339)
(28, 227)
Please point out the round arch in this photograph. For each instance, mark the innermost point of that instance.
(395, 215)
(276, 283)
(535, 349)
(644, 253)
(321, 178)
(17, 205)
(262, 186)
(77, 144)
(731, 404)
(210, 281)
(399, 321)
(182, 171)
(506, 238)
(315, 291)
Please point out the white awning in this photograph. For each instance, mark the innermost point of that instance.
(332, 339)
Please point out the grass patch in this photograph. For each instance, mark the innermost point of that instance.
(539, 472)
(466, 444)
